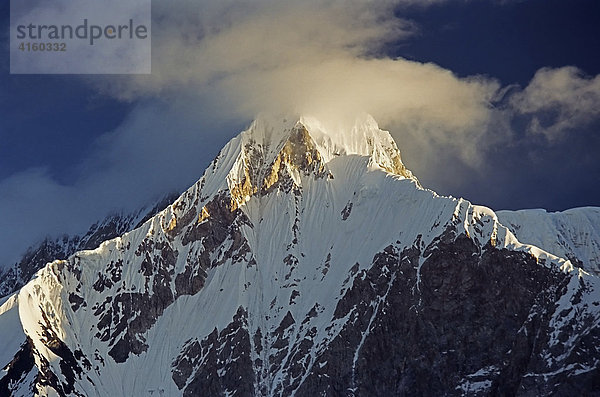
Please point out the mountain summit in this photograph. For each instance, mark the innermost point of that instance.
(307, 261)
(276, 151)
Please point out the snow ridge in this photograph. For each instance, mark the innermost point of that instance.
(573, 234)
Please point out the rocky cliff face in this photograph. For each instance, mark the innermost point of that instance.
(307, 262)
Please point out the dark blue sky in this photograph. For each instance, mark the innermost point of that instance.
(49, 120)
(509, 42)
(52, 126)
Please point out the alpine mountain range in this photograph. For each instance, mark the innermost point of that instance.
(309, 261)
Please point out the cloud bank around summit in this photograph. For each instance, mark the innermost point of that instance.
(327, 59)
(305, 57)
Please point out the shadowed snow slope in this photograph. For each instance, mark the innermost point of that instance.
(573, 234)
(306, 261)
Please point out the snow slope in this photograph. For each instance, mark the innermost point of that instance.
(574, 233)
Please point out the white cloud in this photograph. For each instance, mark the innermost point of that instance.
(316, 57)
(558, 101)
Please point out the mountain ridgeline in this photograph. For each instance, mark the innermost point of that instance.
(309, 261)
(13, 277)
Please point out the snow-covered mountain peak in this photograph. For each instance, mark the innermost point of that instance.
(290, 269)
(281, 149)
(361, 137)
